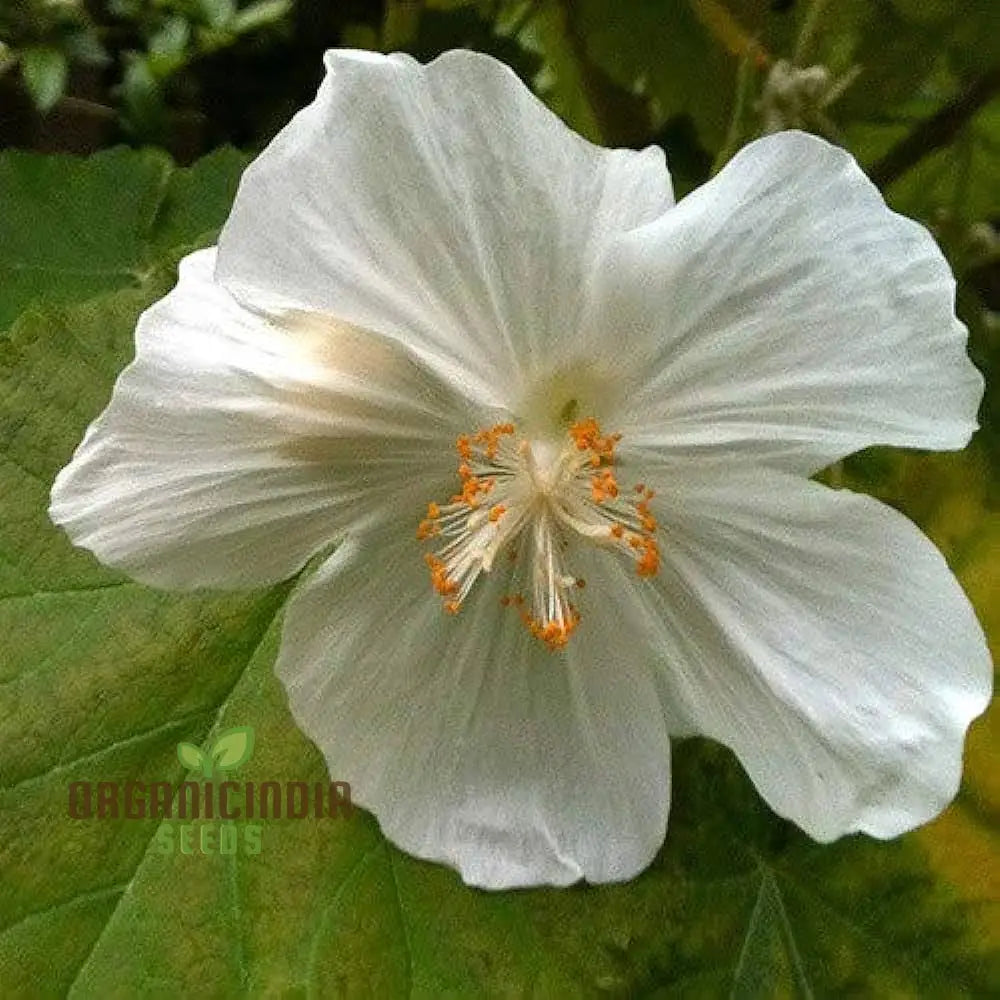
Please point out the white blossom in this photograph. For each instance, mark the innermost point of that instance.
(561, 431)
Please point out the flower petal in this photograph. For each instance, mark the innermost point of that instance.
(471, 743)
(443, 205)
(234, 446)
(782, 313)
(823, 638)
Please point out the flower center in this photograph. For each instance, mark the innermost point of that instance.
(529, 500)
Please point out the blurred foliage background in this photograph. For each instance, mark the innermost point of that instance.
(738, 903)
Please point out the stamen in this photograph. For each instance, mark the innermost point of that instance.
(541, 498)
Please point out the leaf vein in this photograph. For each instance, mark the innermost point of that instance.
(222, 707)
(110, 748)
(91, 895)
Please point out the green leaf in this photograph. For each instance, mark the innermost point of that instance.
(561, 81)
(925, 11)
(664, 51)
(192, 757)
(233, 747)
(143, 106)
(168, 48)
(360, 36)
(769, 945)
(102, 678)
(259, 15)
(218, 13)
(960, 179)
(85, 47)
(892, 54)
(45, 72)
(400, 24)
(71, 228)
(953, 184)
(196, 201)
(172, 38)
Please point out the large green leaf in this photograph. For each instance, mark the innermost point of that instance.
(101, 680)
(71, 228)
(664, 51)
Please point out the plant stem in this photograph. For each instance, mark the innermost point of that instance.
(937, 131)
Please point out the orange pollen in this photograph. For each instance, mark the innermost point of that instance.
(489, 438)
(586, 435)
(440, 580)
(555, 634)
(603, 486)
(649, 560)
(472, 489)
(556, 494)
(646, 519)
(427, 529)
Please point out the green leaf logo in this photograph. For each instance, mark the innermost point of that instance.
(194, 758)
(232, 748)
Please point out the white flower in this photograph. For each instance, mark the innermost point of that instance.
(435, 311)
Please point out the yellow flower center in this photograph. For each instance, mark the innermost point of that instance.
(528, 499)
